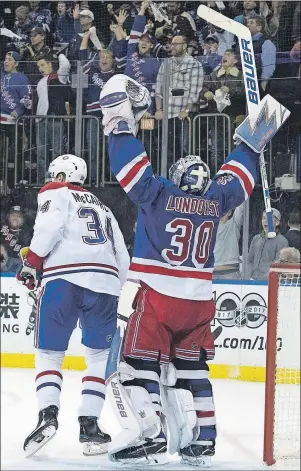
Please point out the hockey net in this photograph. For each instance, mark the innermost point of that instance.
(282, 394)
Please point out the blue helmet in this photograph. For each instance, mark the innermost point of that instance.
(191, 174)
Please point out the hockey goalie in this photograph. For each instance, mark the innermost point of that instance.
(161, 392)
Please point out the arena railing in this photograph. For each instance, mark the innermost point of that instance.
(39, 139)
(212, 138)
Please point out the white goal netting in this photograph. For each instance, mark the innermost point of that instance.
(287, 374)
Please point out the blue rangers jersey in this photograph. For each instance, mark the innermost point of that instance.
(176, 231)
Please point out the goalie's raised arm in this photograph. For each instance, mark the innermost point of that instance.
(123, 102)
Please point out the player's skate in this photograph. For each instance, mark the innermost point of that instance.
(198, 455)
(152, 452)
(44, 431)
(95, 442)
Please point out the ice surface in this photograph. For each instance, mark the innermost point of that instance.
(239, 410)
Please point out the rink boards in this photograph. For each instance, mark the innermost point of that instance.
(239, 328)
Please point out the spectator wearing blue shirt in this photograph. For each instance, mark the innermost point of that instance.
(139, 62)
(14, 100)
(264, 50)
(83, 22)
(64, 24)
(15, 90)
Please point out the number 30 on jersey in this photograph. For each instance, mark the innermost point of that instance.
(184, 238)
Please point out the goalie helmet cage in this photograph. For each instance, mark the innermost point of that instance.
(282, 388)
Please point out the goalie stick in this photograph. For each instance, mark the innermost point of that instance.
(251, 86)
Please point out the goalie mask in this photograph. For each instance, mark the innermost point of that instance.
(190, 174)
(73, 167)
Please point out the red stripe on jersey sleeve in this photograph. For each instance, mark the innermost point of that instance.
(133, 172)
(240, 174)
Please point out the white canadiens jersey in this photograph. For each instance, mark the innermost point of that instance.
(79, 239)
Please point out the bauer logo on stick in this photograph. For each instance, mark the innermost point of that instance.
(250, 71)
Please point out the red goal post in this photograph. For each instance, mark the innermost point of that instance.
(282, 388)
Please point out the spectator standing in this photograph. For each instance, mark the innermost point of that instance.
(33, 51)
(99, 72)
(131, 10)
(15, 97)
(249, 9)
(210, 60)
(264, 50)
(37, 45)
(22, 26)
(223, 89)
(40, 17)
(54, 96)
(293, 235)
(139, 62)
(263, 251)
(15, 90)
(83, 22)
(225, 39)
(181, 21)
(226, 251)
(64, 24)
(185, 82)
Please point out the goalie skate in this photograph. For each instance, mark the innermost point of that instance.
(152, 453)
(44, 431)
(198, 455)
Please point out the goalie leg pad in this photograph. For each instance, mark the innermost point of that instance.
(194, 376)
(140, 383)
(187, 402)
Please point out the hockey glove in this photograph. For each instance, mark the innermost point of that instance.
(258, 129)
(123, 102)
(28, 275)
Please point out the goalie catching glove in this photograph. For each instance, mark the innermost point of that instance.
(28, 275)
(123, 102)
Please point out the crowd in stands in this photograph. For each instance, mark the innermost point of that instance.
(42, 43)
